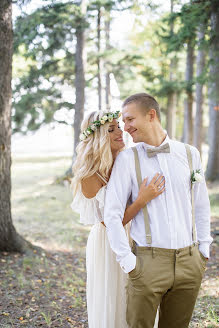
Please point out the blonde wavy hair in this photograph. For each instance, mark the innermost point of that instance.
(94, 153)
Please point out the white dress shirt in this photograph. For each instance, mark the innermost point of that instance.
(170, 214)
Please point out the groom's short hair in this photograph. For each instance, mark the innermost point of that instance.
(145, 101)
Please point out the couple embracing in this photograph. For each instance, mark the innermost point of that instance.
(149, 209)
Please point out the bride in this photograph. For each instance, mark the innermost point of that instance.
(101, 141)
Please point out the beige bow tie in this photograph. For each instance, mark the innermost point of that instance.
(154, 151)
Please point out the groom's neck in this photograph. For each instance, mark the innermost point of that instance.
(156, 136)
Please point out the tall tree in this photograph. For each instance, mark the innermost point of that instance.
(107, 73)
(10, 240)
(171, 101)
(46, 39)
(200, 70)
(99, 66)
(79, 73)
(212, 172)
(188, 103)
(188, 18)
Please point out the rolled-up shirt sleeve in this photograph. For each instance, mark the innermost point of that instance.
(117, 195)
(202, 209)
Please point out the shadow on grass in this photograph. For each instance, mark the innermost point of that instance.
(43, 291)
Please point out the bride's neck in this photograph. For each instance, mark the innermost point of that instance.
(114, 154)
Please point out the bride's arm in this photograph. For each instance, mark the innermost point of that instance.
(145, 195)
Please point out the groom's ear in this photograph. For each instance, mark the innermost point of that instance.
(152, 114)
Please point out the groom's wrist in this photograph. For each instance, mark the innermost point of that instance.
(204, 248)
(128, 263)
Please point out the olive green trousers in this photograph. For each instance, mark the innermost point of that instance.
(166, 277)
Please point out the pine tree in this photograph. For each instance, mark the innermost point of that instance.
(212, 172)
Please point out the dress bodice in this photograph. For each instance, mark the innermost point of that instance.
(90, 209)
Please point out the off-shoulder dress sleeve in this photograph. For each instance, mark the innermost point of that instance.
(89, 209)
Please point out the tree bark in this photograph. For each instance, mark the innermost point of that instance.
(171, 115)
(99, 79)
(79, 77)
(107, 73)
(212, 172)
(171, 101)
(200, 66)
(188, 104)
(10, 240)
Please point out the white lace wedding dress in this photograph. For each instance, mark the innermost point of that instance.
(106, 281)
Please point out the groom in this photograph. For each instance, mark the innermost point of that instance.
(170, 248)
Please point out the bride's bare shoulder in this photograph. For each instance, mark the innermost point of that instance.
(91, 185)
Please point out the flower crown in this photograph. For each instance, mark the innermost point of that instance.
(108, 117)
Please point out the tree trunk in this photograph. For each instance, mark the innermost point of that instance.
(200, 63)
(171, 101)
(188, 104)
(212, 172)
(99, 80)
(10, 240)
(107, 74)
(79, 77)
(171, 115)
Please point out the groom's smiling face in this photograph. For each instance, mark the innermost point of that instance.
(137, 123)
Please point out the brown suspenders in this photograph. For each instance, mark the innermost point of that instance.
(145, 211)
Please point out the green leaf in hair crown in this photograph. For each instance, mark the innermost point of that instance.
(108, 117)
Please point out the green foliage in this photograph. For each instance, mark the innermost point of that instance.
(186, 22)
(45, 45)
(46, 39)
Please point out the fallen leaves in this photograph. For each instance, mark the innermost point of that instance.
(35, 295)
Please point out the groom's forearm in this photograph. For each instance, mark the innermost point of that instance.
(120, 246)
(117, 194)
(202, 209)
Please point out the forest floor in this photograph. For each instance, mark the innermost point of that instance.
(49, 290)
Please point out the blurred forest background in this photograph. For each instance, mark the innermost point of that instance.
(59, 60)
(68, 59)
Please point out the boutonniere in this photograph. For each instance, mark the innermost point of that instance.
(196, 176)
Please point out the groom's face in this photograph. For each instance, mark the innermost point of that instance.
(137, 123)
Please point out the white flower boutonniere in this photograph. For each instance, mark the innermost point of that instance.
(196, 176)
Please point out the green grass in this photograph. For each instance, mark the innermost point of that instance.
(41, 209)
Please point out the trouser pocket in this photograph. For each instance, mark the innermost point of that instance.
(136, 273)
(203, 259)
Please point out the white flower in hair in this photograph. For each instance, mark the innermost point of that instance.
(93, 127)
(108, 117)
(82, 137)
